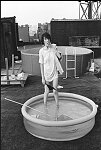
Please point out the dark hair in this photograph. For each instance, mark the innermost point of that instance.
(47, 36)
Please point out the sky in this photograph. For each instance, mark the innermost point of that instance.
(34, 12)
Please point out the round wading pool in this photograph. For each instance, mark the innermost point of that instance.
(73, 119)
(30, 60)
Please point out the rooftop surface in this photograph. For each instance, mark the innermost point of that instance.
(13, 133)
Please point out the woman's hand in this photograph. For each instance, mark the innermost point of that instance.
(59, 55)
(43, 81)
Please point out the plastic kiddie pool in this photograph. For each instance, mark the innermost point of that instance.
(74, 118)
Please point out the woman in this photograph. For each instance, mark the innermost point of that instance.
(50, 66)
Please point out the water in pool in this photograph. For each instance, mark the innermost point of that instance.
(68, 110)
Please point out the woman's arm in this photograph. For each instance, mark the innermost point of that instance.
(59, 55)
(42, 73)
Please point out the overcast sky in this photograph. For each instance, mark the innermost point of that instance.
(34, 12)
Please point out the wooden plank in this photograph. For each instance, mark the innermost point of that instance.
(7, 72)
(3, 78)
(12, 63)
(17, 70)
(14, 81)
(3, 72)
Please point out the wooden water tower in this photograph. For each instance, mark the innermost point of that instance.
(90, 10)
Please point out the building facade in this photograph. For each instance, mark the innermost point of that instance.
(24, 33)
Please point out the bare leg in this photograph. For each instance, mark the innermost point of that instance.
(56, 113)
(55, 84)
(46, 94)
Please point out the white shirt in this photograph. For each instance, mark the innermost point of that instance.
(46, 57)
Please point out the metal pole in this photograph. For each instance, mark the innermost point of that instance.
(25, 105)
(89, 10)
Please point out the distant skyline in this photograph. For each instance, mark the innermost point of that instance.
(34, 12)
